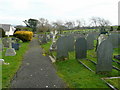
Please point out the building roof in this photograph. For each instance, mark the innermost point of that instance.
(6, 27)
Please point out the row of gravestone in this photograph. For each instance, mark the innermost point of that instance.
(66, 44)
(44, 38)
(14, 42)
(104, 52)
(11, 44)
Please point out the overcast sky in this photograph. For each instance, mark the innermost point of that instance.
(15, 11)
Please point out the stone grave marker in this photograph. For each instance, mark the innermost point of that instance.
(10, 51)
(1, 45)
(104, 57)
(101, 38)
(70, 42)
(15, 46)
(44, 39)
(81, 48)
(62, 51)
(115, 40)
(5, 42)
(90, 41)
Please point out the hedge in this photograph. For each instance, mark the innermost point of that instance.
(24, 35)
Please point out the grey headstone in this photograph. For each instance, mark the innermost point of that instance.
(15, 46)
(104, 56)
(5, 42)
(10, 52)
(70, 43)
(90, 41)
(81, 48)
(62, 51)
(44, 39)
(115, 40)
(76, 36)
(1, 47)
(101, 38)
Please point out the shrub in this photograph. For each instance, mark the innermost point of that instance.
(24, 35)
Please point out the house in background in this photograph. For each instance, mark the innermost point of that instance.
(9, 29)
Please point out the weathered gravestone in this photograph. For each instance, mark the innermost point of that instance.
(115, 40)
(15, 46)
(96, 34)
(81, 48)
(70, 42)
(5, 42)
(76, 36)
(44, 39)
(10, 51)
(104, 57)
(101, 38)
(90, 41)
(1, 47)
(62, 51)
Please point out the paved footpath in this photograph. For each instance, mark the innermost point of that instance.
(36, 71)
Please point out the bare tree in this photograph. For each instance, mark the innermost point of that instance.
(58, 25)
(70, 24)
(79, 24)
(43, 25)
(99, 22)
(103, 22)
(94, 21)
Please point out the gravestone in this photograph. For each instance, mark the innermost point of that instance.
(101, 38)
(70, 42)
(5, 42)
(76, 36)
(15, 46)
(0, 47)
(81, 48)
(3, 62)
(10, 51)
(96, 34)
(115, 40)
(62, 51)
(44, 39)
(104, 57)
(90, 41)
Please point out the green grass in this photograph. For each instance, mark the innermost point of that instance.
(8, 71)
(115, 82)
(78, 30)
(76, 75)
